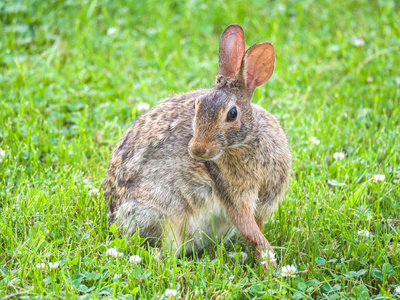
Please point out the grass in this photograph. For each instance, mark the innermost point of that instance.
(68, 91)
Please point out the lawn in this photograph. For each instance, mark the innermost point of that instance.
(75, 74)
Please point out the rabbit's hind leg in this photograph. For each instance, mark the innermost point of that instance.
(134, 215)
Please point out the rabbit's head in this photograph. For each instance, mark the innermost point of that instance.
(223, 117)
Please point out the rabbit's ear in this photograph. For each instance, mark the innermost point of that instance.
(257, 65)
(231, 50)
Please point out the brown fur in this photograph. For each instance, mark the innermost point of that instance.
(184, 159)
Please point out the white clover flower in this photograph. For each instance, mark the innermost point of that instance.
(289, 270)
(268, 257)
(358, 42)
(339, 155)
(114, 253)
(315, 141)
(369, 79)
(231, 277)
(142, 106)
(111, 31)
(364, 233)
(94, 192)
(281, 7)
(135, 259)
(116, 276)
(197, 292)
(170, 293)
(41, 266)
(378, 178)
(2, 154)
(397, 290)
(53, 265)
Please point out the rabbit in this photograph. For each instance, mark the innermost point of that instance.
(199, 163)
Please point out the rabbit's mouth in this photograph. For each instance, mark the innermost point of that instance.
(207, 159)
(200, 152)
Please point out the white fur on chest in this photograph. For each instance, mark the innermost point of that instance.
(209, 222)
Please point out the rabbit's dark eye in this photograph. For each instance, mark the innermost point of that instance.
(232, 114)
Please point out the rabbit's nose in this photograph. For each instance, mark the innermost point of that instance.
(200, 151)
(197, 150)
